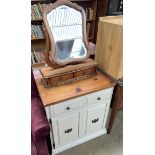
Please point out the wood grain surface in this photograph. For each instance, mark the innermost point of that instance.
(109, 47)
(65, 92)
(48, 71)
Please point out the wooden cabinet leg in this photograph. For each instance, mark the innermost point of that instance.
(117, 105)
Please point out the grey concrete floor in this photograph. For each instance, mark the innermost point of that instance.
(109, 144)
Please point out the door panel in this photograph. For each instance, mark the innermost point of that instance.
(68, 128)
(95, 118)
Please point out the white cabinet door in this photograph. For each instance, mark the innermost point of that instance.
(95, 118)
(66, 129)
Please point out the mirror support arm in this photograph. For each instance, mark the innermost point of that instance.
(46, 54)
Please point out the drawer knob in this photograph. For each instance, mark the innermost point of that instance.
(99, 98)
(68, 130)
(95, 120)
(68, 108)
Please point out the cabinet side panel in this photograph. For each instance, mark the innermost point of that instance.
(109, 48)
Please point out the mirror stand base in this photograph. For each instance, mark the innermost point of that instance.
(68, 74)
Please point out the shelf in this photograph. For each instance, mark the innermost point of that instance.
(37, 1)
(90, 38)
(41, 20)
(34, 20)
(90, 20)
(37, 21)
(37, 65)
(36, 39)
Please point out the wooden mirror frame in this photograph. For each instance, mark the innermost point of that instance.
(50, 55)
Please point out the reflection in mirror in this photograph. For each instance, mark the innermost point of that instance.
(70, 49)
(66, 26)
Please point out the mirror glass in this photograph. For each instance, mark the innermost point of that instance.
(66, 26)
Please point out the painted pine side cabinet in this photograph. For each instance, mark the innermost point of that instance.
(78, 111)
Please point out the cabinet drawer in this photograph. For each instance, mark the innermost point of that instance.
(85, 72)
(99, 97)
(95, 118)
(66, 107)
(68, 128)
(59, 79)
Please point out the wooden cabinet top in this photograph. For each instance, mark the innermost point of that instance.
(118, 20)
(57, 94)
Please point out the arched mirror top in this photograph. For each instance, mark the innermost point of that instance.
(66, 26)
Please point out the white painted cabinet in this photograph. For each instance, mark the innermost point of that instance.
(79, 120)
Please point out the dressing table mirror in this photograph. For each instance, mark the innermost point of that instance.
(67, 47)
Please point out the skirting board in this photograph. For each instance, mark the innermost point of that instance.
(79, 141)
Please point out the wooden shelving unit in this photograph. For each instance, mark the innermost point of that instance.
(37, 42)
(101, 11)
(86, 4)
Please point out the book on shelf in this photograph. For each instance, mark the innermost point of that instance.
(37, 31)
(90, 13)
(37, 11)
(88, 29)
(37, 55)
(32, 59)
